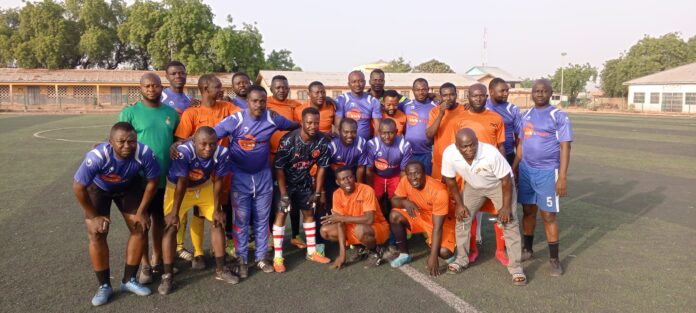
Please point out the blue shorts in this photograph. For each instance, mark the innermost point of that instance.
(538, 186)
(426, 159)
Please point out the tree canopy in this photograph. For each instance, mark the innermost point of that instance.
(398, 66)
(575, 78)
(433, 66)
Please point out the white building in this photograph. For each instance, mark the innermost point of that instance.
(673, 90)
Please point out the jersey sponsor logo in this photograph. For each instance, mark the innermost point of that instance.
(315, 153)
(353, 114)
(248, 142)
(412, 118)
(111, 178)
(196, 174)
(381, 164)
(302, 165)
(528, 130)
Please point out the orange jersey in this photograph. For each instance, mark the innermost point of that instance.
(487, 125)
(286, 109)
(445, 134)
(432, 200)
(361, 201)
(327, 113)
(400, 119)
(195, 117)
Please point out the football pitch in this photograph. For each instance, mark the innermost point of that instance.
(625, 230)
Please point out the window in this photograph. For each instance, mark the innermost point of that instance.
(690, 98)
(302, 95)
(335, 94)
(133, 95)
(672, 101)
(638, 97)
(654, 98)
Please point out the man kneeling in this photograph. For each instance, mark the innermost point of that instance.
(356, 219)
(195, 179)
(422, 204)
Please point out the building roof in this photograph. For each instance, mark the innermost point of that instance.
(685, 74)
(89, 77)
(393, 80)
(494, 71)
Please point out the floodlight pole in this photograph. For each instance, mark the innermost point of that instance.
(563, 54)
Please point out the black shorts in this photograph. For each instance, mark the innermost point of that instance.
(126, 200)
(299, 198)
(156, 207)
(510, 157)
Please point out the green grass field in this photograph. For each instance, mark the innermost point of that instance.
(625, 232)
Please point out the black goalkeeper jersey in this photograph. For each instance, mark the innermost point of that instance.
(300, 159)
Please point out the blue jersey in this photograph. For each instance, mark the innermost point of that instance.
(241, 103)
(541, 133)
(511, 118)
(177, 101)
(362, 109)
(417, 115)
(249, 138)
(388, 160)
(342, 155)
(197, 169)
(103, 168)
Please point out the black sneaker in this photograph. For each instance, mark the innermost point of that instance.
(242, 270)
(166, 284)
(374, 259)
(556, 268)
(226, 276)
(198, 263)
(356, 254)
(264, 266)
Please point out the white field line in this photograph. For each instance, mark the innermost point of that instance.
(40, 135)
(448, 297)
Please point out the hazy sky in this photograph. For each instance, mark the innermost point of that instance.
(525, 38)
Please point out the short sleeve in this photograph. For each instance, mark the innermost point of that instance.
(516, 117)
(402, 188)
(370, 153)
(340, 104)
(325, 155)
(441, 203)
(222, 166)
(151, 168)
(565, 130)
(282, 122)
(369, 201)
(376, 108)
(501, 167)
(282, 156)
(126, 115)
(432, 116)
(406, 155)
(500, 131)
(180, 165)
(363, 157)
(226, 126)
(89, 168)
(339, 205)
(185, 128)
(448, 169)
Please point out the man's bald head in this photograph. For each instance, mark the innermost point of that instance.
(466, 143)
(356, 82)
(478, 86)
(150, 77)
(151, 88)
(542, 82)
(205, 132)
(465, 134)
(542, 92)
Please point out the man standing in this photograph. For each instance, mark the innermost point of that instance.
(209, 113)
(196, 180)
(499, 91)
(359, 105)
(377, 82)
(356, 219)
(487, 176)
(301, 151)
(155, 124)
(249, 132)
(174, 95)
(390, 110)
(387, 156)
(543, 155)
(317, 100)
(109, 173)
(441, 124)
(417, 113)
(421, 205)
(240, 86)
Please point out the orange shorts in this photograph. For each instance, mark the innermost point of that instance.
(419, 224)
(381, 233)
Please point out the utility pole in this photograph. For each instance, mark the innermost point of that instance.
(563, 54)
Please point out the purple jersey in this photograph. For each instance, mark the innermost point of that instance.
(541, 132)
(511, 118)
(417, 114)
(388, 161)
(177, 101)
(241, 103)
(249, 138)
(198, 170)
(342, 155)
(362, 110)
(108, 172)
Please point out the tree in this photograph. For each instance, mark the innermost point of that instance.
(649, 55)
(575, 78)
(692, 48)
(98, 24)
(398, 66)
(433, 66)
(185, 35)
(45, 38)
(527, 83)
(142, 20)
(9, 26)
(280, 61)
(238, 50)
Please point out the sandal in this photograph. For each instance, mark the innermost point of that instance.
(519, 279)
(455, 268)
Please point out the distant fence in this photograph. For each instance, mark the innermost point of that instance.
(44, 103)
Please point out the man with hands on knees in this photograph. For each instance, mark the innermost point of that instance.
(109, 173)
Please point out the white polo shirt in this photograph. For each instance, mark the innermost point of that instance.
(485, 171)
